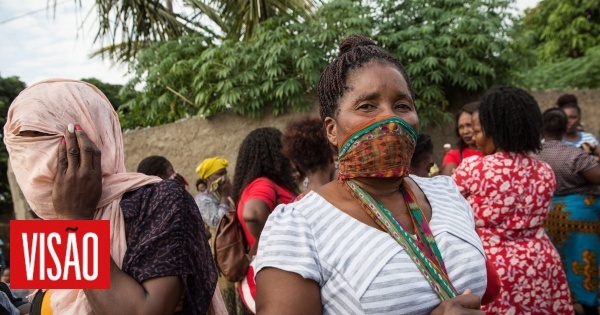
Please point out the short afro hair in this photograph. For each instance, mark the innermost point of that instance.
(512, 118)
(555, 123)
(305, 144)
(154, 165)
(568, 101)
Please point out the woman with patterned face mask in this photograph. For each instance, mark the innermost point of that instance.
(375, 240)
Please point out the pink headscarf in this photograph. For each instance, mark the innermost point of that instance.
(48, 107)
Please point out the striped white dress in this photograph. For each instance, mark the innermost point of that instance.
(362, 270)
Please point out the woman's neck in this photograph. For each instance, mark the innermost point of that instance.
(379, 188)
(471, 147)
(550, 138)
(317, 179)
(572, 136)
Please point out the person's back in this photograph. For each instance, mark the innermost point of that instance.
(512, 192)
(567, 162)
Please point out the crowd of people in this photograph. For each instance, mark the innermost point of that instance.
(339, 215)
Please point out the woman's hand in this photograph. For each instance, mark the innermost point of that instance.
(464, 304)
(78, 181)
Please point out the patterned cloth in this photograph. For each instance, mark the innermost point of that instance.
(573, 224)
(574, 229)
(165, 237)
(584, 137)
(210, 209)
(510, 194)
(568, 162)
(382, 147)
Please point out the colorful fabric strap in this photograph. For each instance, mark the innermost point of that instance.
(423, 250)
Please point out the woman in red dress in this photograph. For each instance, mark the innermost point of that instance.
(263, 180)
(510, 193)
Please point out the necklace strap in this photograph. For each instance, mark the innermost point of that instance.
(423, 250)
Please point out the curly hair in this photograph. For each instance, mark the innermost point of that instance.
(512, 118)
(422, 149)
(154, 165)
(260, 156)
(468, 108)
(555, 123)
(355, 51)
(305, 144)
(568, 101)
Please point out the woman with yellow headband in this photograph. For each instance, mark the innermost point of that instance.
(376, 240)
(214, 201)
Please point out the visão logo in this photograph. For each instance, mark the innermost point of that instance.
(60, 254)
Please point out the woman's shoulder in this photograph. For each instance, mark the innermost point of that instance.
(437, 187)
(155, 197)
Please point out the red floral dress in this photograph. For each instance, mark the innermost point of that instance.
(510, 194)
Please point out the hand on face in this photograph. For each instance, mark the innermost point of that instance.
(78, 182)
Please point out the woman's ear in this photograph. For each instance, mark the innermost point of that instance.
(331, 131)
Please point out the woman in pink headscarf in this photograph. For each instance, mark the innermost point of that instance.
(66, 150)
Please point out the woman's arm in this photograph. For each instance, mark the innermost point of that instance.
(592, 175)
(283, 292)
(255, 214)
(448, 168)
(77, 190)
(153, 296)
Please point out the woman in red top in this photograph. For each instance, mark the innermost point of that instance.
(263, 179)
(466, 143)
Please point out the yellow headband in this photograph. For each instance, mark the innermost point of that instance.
(211, 166)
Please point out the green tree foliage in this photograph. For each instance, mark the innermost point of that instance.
(447, 46)
(564, 36)
(277, 69)
(562, 28)
(567, 73)
(126, 27)
(10, 87)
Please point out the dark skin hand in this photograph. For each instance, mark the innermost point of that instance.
(77, 190)
(274, 298)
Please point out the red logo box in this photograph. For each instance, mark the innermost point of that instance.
(60, 254)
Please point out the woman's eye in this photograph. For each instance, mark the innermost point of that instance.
(366, 106)
(32, 133)
(403, 106)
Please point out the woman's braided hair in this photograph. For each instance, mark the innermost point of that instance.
(260, 156)
(512, 118)
(355, 51)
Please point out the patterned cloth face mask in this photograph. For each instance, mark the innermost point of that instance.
(382, 148)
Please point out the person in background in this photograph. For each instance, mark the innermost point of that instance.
(214, 202)
(263, 179)
(375, 241)
(574, 135)
(466, 144)
(200, 185)
(573, 224)
(159, 166)
(305, 144)
(422, 160)
(510, 193)
(66, 149)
